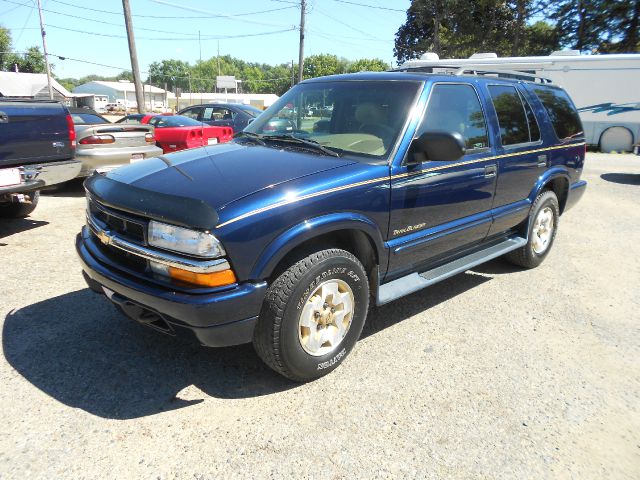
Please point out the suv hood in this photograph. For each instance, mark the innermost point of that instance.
(224, 173)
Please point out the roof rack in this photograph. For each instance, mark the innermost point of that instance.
(477, 70)
(513, 74)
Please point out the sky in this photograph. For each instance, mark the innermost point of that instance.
(252, 30)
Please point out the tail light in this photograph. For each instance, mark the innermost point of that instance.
(97, 140)
(149, 138)
(72, 131)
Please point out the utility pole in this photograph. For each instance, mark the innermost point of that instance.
(134, 56)
(301, 49)
(44, 48)
(293, 78)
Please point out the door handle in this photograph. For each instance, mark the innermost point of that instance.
(4, 118)
(490, 171)
(542, 160)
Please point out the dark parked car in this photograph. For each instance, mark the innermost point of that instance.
(283, 239)
(232, 115)
(37, 146)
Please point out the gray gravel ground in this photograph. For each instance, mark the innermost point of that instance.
(495, 373)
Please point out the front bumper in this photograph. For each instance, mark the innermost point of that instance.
(217, 319)
(96, 158)
(36, 176)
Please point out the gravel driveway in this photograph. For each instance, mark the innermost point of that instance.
(495, 373)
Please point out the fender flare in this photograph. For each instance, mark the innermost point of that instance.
(551, 174)
(311, 228)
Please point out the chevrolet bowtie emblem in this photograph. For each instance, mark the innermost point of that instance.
(104, 237)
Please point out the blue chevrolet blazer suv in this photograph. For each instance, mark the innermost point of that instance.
(349, 190)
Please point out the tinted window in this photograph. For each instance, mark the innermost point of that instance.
(562, 113)
(534, 129)
(217, 113)
(512, 118)
(131, 120)
(456, 108)
(191, 113)
(174, 121)
(87, 119)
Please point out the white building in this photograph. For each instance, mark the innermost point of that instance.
(32, 85)
(258, 100)
(121, 92)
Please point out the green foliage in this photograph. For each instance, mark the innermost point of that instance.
(5, 46)
(368, 65)
(598, 26)
(32, 61)
(458, 28)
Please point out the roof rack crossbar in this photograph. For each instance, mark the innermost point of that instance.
(476, 70)
(503, 73)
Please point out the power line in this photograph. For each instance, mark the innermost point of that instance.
(370, 6)
(371, 37)
(230, 17)
(211, 37)
(211, 15)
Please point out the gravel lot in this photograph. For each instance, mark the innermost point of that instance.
(495, 373)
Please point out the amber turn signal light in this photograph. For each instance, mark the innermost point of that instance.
(214, 279)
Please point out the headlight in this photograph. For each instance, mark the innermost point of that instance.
(184, 240)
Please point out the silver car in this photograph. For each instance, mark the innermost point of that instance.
(103, 146)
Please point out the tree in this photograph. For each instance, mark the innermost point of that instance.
(455, 28)
(175, 73)
(31, 61)
(323, 64)
(5, 47)
(368, 65)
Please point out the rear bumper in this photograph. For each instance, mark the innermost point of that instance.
(576, 191)
(36, 176)
(94, 158)
(215, 319)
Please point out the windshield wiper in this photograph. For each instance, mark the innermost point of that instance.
(252, 136)
(303, 141)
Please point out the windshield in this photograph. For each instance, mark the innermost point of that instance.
(361, 118)
(174, 121)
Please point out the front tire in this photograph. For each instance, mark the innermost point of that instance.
(543, 226)
(313, 315)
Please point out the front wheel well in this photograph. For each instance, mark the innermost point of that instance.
(353, 241)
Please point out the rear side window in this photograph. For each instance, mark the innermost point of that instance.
(515, 117)
(456, 108)
(562, 113)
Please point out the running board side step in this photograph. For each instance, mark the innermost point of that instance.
(417, 281)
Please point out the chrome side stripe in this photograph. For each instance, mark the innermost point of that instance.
(383, 179)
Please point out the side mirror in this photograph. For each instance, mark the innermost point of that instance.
(442, 146)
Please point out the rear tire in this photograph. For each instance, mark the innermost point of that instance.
(20, 210)
(313, 315)
(543, 225)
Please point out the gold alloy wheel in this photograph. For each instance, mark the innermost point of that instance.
(542, 230)
(326, 317)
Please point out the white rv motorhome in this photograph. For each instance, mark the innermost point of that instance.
(605, 88)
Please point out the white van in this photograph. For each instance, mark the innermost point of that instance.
(605, 88)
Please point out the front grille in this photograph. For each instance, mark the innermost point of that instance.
(118, 222)
(120, 257)
(125, 226)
